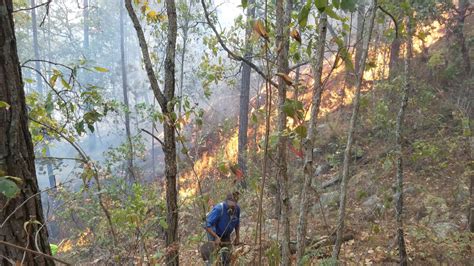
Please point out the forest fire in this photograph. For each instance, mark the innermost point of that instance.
(336, 94)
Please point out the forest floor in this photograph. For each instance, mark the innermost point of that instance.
(438, 152)
(438, 164)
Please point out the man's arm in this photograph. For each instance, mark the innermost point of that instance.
(237, 235)
(212, 220)
(237, 228)
(218, 239)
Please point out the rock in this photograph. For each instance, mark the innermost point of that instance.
(420, 213)
(317, 152)
(444, 229)
(372, 207)
(331, 182)
(461, 195)
(437, 209)
(410, 190)
(328, 200)
(295, 200)
(322, 169)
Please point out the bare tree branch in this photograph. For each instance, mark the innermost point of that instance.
(231, 53)
(146, 56)
(34, 252)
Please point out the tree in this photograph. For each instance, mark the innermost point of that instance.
(317, 67)
(282, 42)
(359, 37)
(17, 159)
(245, 93)
(39, 84)
(128, 134)
(399, 144)
(462, 13)
(166, 101)
(350, 137)
(34, 27)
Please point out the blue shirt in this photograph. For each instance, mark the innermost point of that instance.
(221, 222)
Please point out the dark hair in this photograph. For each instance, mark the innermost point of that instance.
(233, 196)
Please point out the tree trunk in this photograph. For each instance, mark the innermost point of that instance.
(283, 12)
(164, 99)
(39, 84)
(359, 38)
(130, 170)
(471, 205)
(172, 240)
(459, 31)
(39, 80)
(85, 14)
(245, 95)
(317, 66)
(17, 157)
(398, 135)
(394, 63)
(350, 137)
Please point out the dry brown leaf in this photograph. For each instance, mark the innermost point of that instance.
(260, 29)
(295, 34)
(286, 78)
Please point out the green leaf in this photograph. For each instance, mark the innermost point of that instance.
(245, 3)
(101, 69)
(302, 131)
(65, 84)
(8, 188)
(52, 80)
(309, 48)
(332, 14)
(54, 249)
(223, 167)
(27, 80)
(336, 3)
(4, 105)
(304, 13)
(293, 108)
(80, 127)
(321, 5)
(348, 5)
(163, 224)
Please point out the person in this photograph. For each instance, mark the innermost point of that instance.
(224, 219)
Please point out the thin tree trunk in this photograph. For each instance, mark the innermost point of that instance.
(39, 84)
(359, 38)
(398, 135)
(462, 10)
(245, 95)
(471, 205)
(39, 80)
(17, 157)
(164, 99)
(350, 137)
(130, 170)
(317, 66)
(283, 12)
(170, 139)
(347, 45)
(85, 14)
(394, 63)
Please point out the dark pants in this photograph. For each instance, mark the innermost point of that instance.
(224, 250)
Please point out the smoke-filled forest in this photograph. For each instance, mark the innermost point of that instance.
(236, 132)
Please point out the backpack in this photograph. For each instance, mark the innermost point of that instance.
(222, 210)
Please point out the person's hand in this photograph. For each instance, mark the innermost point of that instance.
(217, 241)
